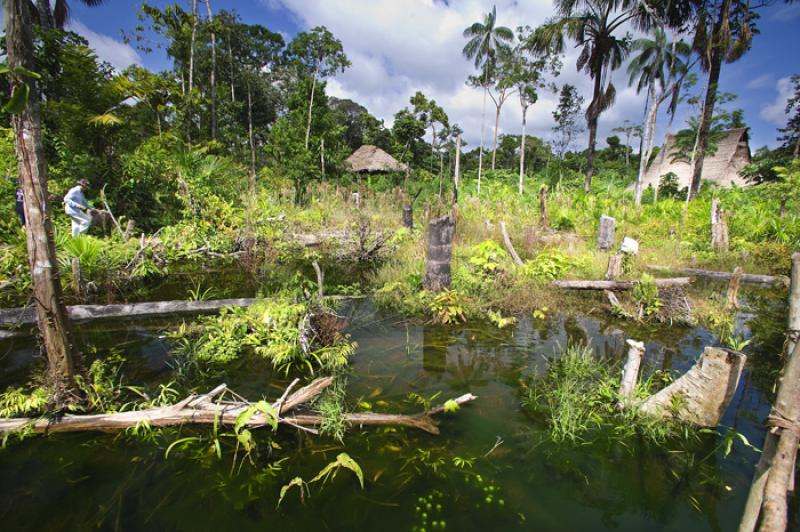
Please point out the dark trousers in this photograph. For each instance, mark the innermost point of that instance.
(21, 213)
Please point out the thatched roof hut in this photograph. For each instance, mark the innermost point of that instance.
(723, 168)
(369, 158)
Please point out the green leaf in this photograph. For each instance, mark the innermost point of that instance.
(178, 442)
(451, 406)
(296, 481)
(343, 460)
(18, 100)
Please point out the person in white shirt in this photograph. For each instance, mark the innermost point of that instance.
(75, 205)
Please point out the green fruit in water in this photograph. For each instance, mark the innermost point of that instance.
(501, 502)
(424, 516)
(438, 507)
(488, 500)
(429, 507)
(417, 509)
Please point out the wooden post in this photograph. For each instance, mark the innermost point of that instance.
(457, 169)
(719, 228)
(356, 197)
(509, 245)
(774, 474)
(408, 216)
(77, 280)
(440, 253)
(605, 233)
(630, 374)
(543, 218)
(733, 289)
(320, 280)
(614, 270)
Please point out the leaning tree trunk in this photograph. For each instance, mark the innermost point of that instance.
(310, 107)
(715, 66)
(457, 169)
(494, 134)
(45, 14)
(213, 75)
(250, 138)
(647, 144)
(32, 168)
(483, 133)
(522, 149)
(440, 253)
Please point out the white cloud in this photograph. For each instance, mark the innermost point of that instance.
(775, 112)
(397, 48)
(761, 82)
(117, 53)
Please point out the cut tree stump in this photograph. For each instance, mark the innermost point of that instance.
(703, 393)
(618, 285)
(509, 245)
(747, 278)
(630, 373)
(440, 253)
(614, 269)
(408, 217)
(719, 228)
(605, 233)
(202, 409)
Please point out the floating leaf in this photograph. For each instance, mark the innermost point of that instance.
(296, 481)
(343, 460)
(451, 406)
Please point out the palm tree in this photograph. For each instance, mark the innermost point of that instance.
(593, 26)
(660, 64)
(59, 15)
(485, 40)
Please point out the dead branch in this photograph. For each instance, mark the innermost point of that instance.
(618, 285)
(509, 245)
(747, 278)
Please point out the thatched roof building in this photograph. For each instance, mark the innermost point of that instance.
(369, 158)
(723, 168)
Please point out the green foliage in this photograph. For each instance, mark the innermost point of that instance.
(16, 402)
(447, 307)
(487, 257)
(645, 293)
(343, 460)
(548, 265)
(331, 408)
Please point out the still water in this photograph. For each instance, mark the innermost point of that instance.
(413, 480)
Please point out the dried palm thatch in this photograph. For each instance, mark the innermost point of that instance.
(723, 168)
(369, 158)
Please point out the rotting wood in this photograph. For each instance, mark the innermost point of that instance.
(630, 373)
(719, 228)
(509, 245)
(747, 278)
(605, 233)
(27, 315)
(614, 269)
(440, 253)
(773, 479)
(202, 409)
(320, 279)
(703, 393)
(408, 216)
(733, 289)
(618, 285)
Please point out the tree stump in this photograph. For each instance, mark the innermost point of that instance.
(440, 253)
(704, 392)
(630, 374)
(356, 199)
(614, 270)
(719, 228)
(543, 218)
(408, 216)
(605, 233)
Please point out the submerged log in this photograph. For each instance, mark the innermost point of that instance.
(202, 409)
(440, 252)
(746, 278)
(704, 392)
(618, 285)
(509, 245)
(27, 315)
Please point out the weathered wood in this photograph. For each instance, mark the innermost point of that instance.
(733, 289)
(27, 315)
(605, 233)
(746, 278)
(202, 409)
(618, 285)
(320, 279)
(774, 474)
(408, 216)
(705, 391)
(630, 373)
(77, 278)
(440, 253)
(719, 228)
(544, 220)
(356, 199)
(614, 269)
(509, 245)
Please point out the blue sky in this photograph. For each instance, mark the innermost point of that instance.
(400, 46)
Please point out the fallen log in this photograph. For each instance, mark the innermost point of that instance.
(747, 278)
(703, 393)
(202, 409)
(618, 285)
(27, 315)
(509, 245)
(630, 373)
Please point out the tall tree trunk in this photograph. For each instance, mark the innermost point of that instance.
(233, 71)
(715, 66)
(45, 14)
(191, 45)
(647, 142)
(483, 129)
(522, 149)
(592, 123)
(457, 169)
(32, 167)
(494, 136)
(213, 75)
(310, 106)
(250, 137)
